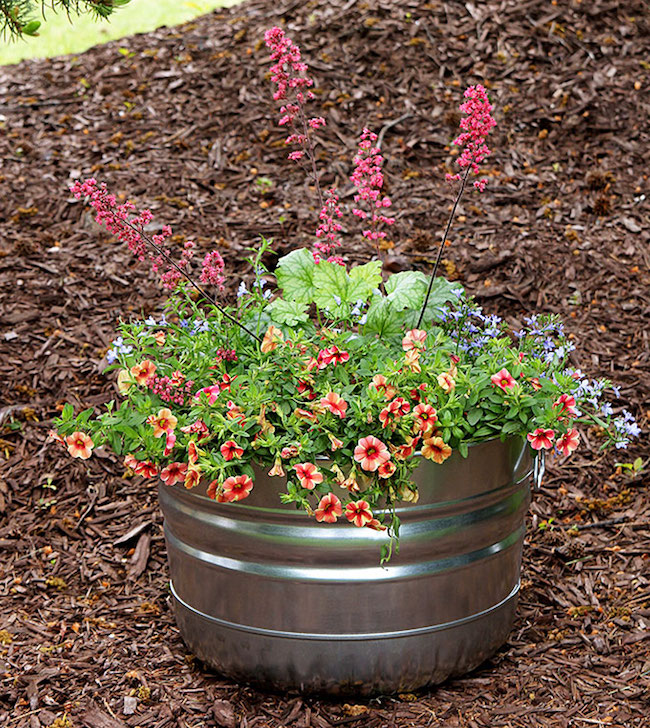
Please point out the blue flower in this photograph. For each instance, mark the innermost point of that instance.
(363, 319)
(242, 290)
(607, 409)
(617, 391)
(111, 356)
(267, 293)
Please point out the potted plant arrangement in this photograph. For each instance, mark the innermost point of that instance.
(344, 456)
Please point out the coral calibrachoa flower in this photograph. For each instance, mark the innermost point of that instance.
(447, 382)
(380, 384)
(334, 403)
(329, 509)
(79, 445)
(236, 488)
(308, 475)
(230, 450)
(568, 442)
(414, 339)
(370, 453)
(272, 339)
(174, 473)
(359, 513)
(425, 417)
(541, 439)
(436, 449)
(566, 404)
(143, 371)
(163, 422)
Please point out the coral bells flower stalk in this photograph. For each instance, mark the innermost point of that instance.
(327, 232)
(368, 180)
(290, 74)
(129, 227)
(212, 269)
(475, 127)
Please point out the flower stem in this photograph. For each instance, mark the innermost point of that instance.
(442, 245)
(191, 281)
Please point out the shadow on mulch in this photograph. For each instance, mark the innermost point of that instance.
(184, 123)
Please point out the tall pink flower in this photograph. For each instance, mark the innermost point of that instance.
(369, 180)
(327, 232)
(476, 126)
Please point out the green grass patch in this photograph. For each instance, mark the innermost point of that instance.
(59, 35)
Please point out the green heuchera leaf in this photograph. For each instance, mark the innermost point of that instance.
(364, 279)
(406, 290)
(295, 276)
(330, 286)
(290, 313)
(442, 292)
(382, 319)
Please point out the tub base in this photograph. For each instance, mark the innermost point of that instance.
(346, 664)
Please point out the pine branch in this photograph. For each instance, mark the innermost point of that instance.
(18, 18)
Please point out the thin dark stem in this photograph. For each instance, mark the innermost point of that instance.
(191, 281)
(442, 246)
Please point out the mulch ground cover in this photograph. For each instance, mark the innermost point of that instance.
(182, 121)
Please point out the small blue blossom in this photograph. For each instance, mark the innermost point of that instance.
(242, 290)
(617, 391)
(200, 327)
(111, 356)
(607, 409)
(363, 319)
(267, 294)
(337, 299)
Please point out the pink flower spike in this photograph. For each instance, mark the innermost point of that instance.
(213, 266)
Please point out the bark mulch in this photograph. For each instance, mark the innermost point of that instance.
(182, 121)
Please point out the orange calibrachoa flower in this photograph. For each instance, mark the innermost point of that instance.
(412, 359)
(329, 509)
(230, 449)
(370, 453)
(403, 452)
(236, 488)
(192, 477)
(272, 339)
(335, 404)
(163, 422)
(386, 470)
(125, 381)
(160, 337)
(79, 445)
(145, 468)
(359, 513)
(308, 475)
(425, 417)
(436, 449)
(336, 443)
(277, 470)
(143, 371)
(173, 473)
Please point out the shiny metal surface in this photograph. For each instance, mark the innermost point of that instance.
(264, 593)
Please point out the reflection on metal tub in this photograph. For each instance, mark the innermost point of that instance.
(265, 594)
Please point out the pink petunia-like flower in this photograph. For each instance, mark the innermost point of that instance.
(336, 443)
(211, 392)
(230, 450)
(403, 452)
(504, 380)
(80, 445)
(412, 360)
(236, 488)
(170, 443)
(568, 442)
(334, 403)
(277, 471)
(541, 439)
(567, 404)
(370, 453)
(197, 428)
(359, 513)
(414, 339)
(329, 509)
(272, 339)
(192, 453)
(146, 468)
(425, 416)
(173, 473)
(308, 475)
(331, 355)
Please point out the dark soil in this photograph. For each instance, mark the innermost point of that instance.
(182, 121)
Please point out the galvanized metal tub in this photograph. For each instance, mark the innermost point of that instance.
(265, 594)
